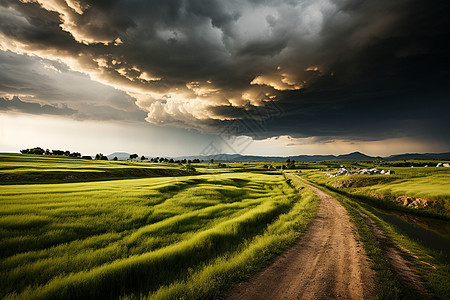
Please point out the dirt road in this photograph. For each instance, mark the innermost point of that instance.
(328, 262)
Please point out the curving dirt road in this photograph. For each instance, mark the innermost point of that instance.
(328, 262)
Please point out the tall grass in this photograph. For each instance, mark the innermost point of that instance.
(211, 279)
(143, 236)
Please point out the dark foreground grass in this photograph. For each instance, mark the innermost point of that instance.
(433, 267)
(169, 238)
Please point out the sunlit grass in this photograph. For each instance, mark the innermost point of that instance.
(144, 236)
(27, 168)
(430, 183)
(429, 187)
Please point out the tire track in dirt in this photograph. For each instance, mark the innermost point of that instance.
(328, 262)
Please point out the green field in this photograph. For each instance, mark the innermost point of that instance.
(162, 237)
(429, 183)
(20, 168)
(73, 228)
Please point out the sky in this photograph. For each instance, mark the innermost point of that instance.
(191, 77)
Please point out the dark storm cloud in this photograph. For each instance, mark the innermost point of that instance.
(35, 27)
(50, 84)
(16, 104)
(344, 68)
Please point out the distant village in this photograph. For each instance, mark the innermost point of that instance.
(345, 172)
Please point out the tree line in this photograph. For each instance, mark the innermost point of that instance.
(100, 156)
(290, 164)
(164, 160)
(40, 151)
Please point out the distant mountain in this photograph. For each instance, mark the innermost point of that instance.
(306, 158)
(424, 156)
(231, 157)
(120, 155)
(354, 156)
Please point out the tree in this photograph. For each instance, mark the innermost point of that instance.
(171, 161)
(36, 150)
(75, 154)
(57, 152)
(190, 168)
(212, 160)
(291, 164)
(133, 156)
(39, 151)
(115, 158)
(100, 156)
(143, 157)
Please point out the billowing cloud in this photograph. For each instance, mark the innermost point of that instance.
(333, 68)
(47, 83)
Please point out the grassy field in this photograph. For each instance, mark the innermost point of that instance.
(28, 168)
(434, 186)
(72, 228)
(163, 237)
(429, 183)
